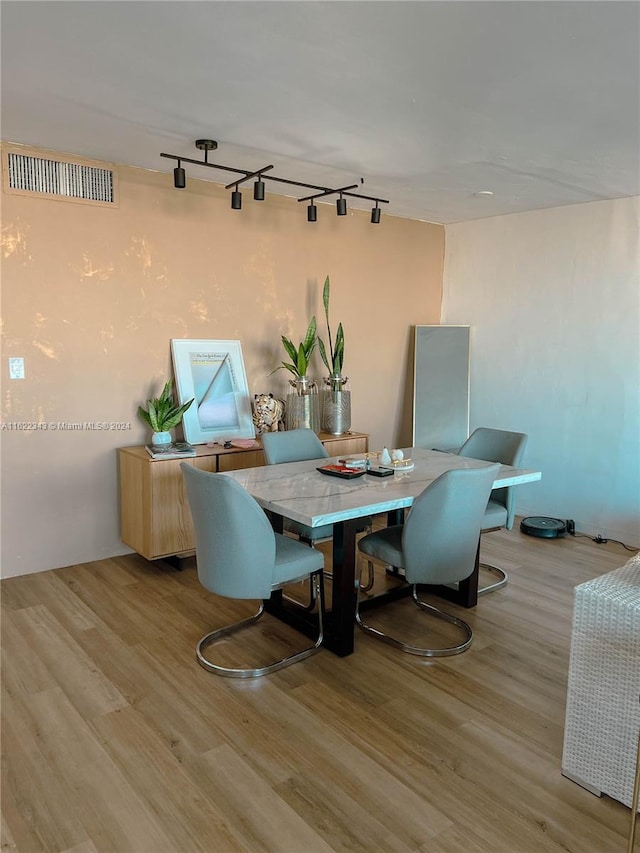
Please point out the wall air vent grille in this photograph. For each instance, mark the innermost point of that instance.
(59, 178)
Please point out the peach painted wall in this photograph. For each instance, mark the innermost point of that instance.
(92, 297)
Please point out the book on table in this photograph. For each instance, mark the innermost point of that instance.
(177, 450)
(341, 471)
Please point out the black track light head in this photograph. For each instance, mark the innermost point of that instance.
(341, 206)
(375, 214)
(258, 190)
(312, 213)
(236, 199)
(179, 177)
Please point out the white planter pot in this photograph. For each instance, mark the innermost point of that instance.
(161, 439)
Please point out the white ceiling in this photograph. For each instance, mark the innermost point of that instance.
(429, 102)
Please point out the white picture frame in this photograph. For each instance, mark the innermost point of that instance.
(213, 374)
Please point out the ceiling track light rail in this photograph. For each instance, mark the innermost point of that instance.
(248, 176)
(328, 192)
(206, 145)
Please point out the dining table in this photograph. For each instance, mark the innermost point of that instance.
(302, 493)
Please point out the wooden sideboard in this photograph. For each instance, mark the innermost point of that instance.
(154, 512)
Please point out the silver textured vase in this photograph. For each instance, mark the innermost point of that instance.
(302, 410)
(336, 405)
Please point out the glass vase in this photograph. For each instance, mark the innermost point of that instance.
(303, 405)
(336, 405)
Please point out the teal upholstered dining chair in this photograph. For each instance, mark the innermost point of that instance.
(239, 556)
(297, 445)
(496, 445)
(437, 544)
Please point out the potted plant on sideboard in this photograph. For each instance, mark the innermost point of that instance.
(302, 406)
(162, 415)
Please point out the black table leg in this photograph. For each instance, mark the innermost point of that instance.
(277, 521)
(340, 621)
(395, 516)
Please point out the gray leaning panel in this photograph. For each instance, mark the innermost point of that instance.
(441, 387)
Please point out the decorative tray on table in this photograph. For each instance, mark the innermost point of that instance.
(399, 465)
(341, 471)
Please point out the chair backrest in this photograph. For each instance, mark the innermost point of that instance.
(294, 445)
(497, 445)
(235, 543)
(441, 534)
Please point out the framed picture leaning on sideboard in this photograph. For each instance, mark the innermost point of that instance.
(212, 372)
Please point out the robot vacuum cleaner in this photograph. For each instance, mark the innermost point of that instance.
(545, 528)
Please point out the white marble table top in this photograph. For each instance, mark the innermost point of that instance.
(296, 490)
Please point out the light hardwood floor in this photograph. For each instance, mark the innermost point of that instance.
(116, 741)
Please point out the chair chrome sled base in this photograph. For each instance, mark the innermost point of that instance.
(496, 570)
(230, 672)
(312, 593)
(415, 650)
(365, 587)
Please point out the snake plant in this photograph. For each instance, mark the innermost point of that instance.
(334, 358)
(162, 413)
(300, 356)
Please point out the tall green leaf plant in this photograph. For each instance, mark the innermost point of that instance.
(301, 355)
(334, 358)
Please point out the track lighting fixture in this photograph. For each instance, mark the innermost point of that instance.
(179, 177)
(206, 145)
(236, 199)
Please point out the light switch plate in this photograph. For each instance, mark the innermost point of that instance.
(16, 368)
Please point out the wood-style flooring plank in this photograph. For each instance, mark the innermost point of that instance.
(189, 817)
